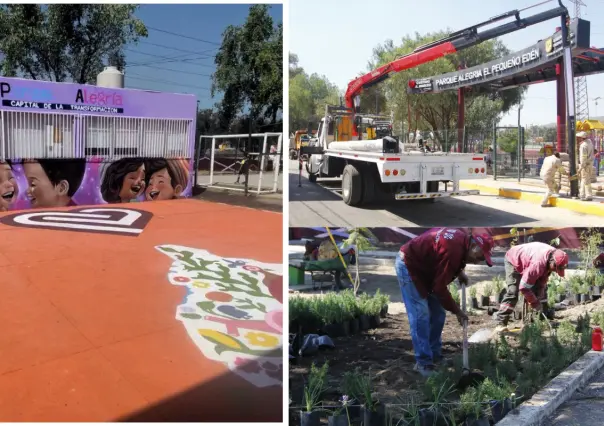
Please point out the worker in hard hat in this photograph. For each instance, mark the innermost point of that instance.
(551, 165)
(527, 270)
(425, 267)
(598, 263)
(586, 161)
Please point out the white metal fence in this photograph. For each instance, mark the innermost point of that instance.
(219, 160)
(36, 135)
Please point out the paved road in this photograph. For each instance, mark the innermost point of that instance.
(313, 205)
(585, 408)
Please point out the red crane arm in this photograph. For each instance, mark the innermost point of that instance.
(453, 43)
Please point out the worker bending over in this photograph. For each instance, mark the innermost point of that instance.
(425, 266)
(586, 161)
(551, 165)
(598, 263)
(527, 270)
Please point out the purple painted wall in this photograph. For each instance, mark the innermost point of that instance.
(44, 183)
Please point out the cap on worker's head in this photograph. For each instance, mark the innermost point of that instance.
(581, 135)
(561, 261)
(486, 244)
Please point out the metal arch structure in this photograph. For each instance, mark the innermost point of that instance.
(582, 106)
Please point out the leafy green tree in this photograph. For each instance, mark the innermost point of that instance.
(249, 67)
(308, 95)
(65, 42)
(438, 112)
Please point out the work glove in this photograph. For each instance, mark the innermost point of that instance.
(461, 317)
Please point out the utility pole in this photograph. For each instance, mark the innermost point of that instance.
(582, 106)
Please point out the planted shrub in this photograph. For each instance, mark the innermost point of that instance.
(315, 386)
(487, 290)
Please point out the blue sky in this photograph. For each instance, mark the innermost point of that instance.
(337, 39)
(191, 59)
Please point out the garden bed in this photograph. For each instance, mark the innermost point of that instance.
(384, 354)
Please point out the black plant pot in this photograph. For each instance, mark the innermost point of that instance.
(364, 322)
(374, 418)
(339, 420)
(485, 301)
(595, 297)
(501, 295)
(346, 327)
(480, 421)
(595, 291)
(354, 411)
(432, 417)
(583, 298)
(375, 321)
(577, 298)
(384, 311)
(354, 326)
(560, 298)
(499, 409)
(474, 303)
(312, 418)
(334, 330)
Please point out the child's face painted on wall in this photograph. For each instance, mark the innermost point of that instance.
(9, 191)
(160, 187)
(41, 191)
(133, 185)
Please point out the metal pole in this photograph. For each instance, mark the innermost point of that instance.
(494, 150)
(212, 161)
(518, 155)
(262, 162)
(277, 169)
(249, 148)
(570, 106)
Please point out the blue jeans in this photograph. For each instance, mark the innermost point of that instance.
(426, 318)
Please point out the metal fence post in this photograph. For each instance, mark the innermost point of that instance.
(277, 169)
(494, 150)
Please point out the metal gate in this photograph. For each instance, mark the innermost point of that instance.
(506, 158)
(219, 162)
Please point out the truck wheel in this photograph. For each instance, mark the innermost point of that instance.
(312, 177)
(352, 185)
(370, 188)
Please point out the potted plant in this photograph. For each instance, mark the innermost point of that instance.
(473, 298)
(499, 288)
(364, 321)
(584, 291)
(352, 307)
(471, 408)
(499, 396)
(487, 292)
(384, 300)
(332, 314)
(373, 309)
(340, 416)
(351, 391)
(313, 393)
(373, 412)
(575, 287)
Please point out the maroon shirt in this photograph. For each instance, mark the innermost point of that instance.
(434, 260)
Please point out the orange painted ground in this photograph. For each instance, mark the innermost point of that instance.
(87, 321)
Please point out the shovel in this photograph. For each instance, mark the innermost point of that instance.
(468, 377)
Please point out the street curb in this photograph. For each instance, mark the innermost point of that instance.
(556, 392)
(593, 208)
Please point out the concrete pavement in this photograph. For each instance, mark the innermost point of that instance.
(313, 205)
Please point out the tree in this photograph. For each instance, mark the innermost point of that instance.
(249, 67)
(308, 95)
(66, 42)
(438, 112)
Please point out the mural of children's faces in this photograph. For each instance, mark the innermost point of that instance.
(53, 183)
(123, 181)
(165, 179)
(9, 191)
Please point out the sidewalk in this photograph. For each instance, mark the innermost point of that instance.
(532, 191)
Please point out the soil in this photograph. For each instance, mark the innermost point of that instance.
(385, 352)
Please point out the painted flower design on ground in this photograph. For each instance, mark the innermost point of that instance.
(233, 311)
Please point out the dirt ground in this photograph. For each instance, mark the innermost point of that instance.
(387, 352)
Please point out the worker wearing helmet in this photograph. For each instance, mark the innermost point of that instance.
(527, 270)
(586, 161)
(598, 263)
(551, 165)
(425, 267)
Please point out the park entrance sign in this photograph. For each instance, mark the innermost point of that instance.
(539, 55)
